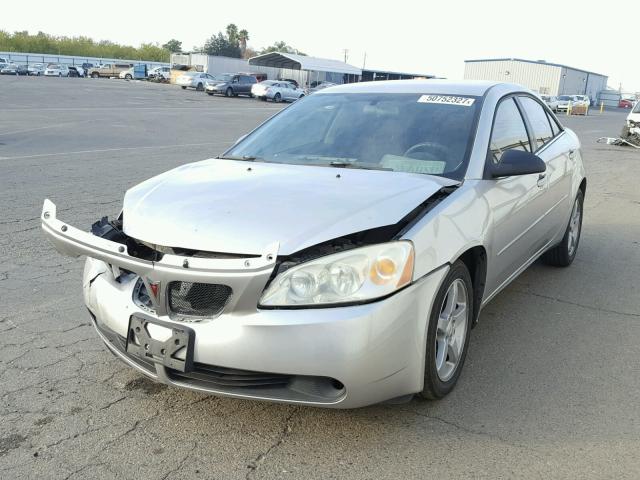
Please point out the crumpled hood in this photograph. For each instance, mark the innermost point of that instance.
(244, 207)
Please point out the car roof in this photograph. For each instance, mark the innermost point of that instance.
(475, 88)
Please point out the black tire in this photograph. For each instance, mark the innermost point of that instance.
(184, 88)
(229, 92)
(562, 255)
(434, 387)
(277, 97)
(128, 76)
(95, 75)
(199, 87)
(210, 93)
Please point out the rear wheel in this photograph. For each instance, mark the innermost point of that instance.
(448, 333)
(563, 254)
(277, 98)
(95, 75)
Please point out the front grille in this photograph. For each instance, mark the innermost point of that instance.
(197, 299)
(215, 377)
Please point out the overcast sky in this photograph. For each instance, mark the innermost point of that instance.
(418, 36)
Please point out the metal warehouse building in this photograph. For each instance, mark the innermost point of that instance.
(540, 76)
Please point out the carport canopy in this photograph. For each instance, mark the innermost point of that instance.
(303, 62)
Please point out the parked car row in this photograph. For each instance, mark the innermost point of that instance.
(235, 84)
(561, 103)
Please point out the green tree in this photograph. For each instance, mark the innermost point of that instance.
(232, 34)
(243, 36)
(81, 46)
(173, 45)
(281, 47)
(221, 46)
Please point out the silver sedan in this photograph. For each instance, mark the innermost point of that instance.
(341, 253)
(277, 91)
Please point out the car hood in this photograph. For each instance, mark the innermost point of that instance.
(244, 207)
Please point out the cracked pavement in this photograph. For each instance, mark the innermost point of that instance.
(550, 387)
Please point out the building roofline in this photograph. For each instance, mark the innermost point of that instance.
(426, 75)
(533, 61)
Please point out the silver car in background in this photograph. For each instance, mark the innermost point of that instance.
(277, 91)
(35, 69)
(340, 254)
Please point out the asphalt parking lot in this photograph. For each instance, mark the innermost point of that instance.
(550, 388)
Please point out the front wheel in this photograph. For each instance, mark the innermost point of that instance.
(95, 75)
(562, 255)
(229, 92)
(184, 88)
(277, 98)
(448, 333)
(199, 88)
(128, 76)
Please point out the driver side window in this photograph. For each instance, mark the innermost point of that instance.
(509, 131)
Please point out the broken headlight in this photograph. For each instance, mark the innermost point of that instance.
(356, 275)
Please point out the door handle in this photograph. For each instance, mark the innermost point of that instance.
(542, 180)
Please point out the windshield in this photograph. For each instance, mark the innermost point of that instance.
(412, 133)
(636, 109)
(565, 98)
(222, 78)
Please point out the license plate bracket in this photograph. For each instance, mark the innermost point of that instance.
(142, 344)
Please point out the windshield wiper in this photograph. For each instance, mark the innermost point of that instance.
(338, 164)
(242, 158)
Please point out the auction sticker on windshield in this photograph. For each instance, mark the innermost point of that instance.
(447, 99)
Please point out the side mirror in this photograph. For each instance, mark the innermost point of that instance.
(517, 162)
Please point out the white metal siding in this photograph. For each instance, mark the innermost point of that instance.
(535, 76)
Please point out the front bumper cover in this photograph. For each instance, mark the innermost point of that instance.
(341, 357)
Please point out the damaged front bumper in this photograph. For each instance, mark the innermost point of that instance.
(341, 357)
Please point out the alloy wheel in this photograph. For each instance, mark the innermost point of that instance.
(451, 331)
(574, 228)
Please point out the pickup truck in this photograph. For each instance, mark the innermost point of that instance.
(108, 70)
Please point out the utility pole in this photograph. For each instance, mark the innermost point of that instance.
(364, 60)
(346, 54)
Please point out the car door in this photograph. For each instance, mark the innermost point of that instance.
(552, 146)
(517, 202)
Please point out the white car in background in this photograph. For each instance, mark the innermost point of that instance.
(162, 71)
(277, 91)
(582, 100)
(551, 101)
(195, 80)
(633, 119)
(56, 70)
(126, 74)
(563, 102)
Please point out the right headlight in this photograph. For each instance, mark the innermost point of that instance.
(352, 276)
